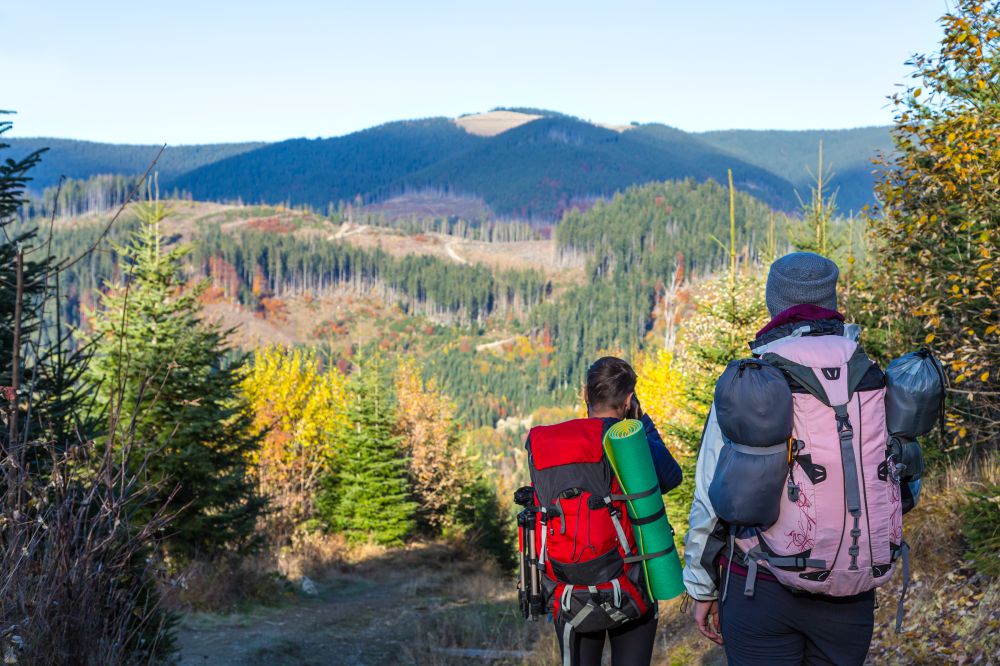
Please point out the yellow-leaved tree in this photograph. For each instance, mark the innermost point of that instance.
(938, 232)
(297, 406)
(439, 468)
(661, 390)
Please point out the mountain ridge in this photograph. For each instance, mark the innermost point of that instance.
(523, 162)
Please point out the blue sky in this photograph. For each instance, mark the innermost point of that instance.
(218, 70)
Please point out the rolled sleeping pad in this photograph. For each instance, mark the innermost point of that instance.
(753, 406)
(628, 451)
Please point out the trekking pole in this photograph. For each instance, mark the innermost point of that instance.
(535, 599)
(532, 605)
(523, 598)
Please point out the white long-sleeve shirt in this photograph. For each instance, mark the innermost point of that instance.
(698, 581)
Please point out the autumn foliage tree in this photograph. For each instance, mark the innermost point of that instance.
(937, 233)
(438, 467)
(298, 407)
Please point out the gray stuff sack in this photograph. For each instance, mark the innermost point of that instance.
(914, 395)
(748, 482)
(753, 405)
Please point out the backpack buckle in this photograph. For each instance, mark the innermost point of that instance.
(843, 422)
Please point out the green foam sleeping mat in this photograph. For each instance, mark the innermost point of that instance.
(627, 449)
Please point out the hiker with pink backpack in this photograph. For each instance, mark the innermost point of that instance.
(807, 462)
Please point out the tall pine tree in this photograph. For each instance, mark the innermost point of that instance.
(369, 496)
(168, 369)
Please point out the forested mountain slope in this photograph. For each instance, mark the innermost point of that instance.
(538, 170)
(794, 154)
(82, 159)
(300, 278)
(318, 172)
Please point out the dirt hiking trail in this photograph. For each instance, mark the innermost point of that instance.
(400, 608)
(426, 605)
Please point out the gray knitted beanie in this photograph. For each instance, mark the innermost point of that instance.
(799, 278)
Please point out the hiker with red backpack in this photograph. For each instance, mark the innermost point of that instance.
(582, 550)
(805, 468)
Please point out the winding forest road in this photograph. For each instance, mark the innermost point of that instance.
(450, 249)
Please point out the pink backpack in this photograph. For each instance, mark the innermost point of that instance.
(839, 530)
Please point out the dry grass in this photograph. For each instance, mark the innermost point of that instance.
(952, 611)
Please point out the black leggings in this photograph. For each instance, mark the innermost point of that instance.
(777, 628)
(631, 643)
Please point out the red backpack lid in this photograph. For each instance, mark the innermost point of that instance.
(576, 441)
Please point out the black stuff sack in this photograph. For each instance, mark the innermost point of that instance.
(914, 395)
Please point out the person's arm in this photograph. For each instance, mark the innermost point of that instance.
(698, 581)
(668, 472)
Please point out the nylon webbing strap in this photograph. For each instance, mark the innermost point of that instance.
(568, 632)
(758, 450)
(621, 533)
(541, 554)
(650, 519)
(900, 608)
(751, 578)
(846, 433)
(639, 558)
(566, 599)
(794, 562)
(729, 569)
(567, 644)
(852, 490)
(635, 496)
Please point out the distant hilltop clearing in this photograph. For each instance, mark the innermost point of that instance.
(492, 123)
(521, 163)
(499, 121)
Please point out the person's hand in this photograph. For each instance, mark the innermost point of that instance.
(634, 408)
(706, 617)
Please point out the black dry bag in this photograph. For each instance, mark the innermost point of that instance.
(914, 394)
(753, 405)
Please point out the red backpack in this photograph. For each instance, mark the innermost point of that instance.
(586, 549)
